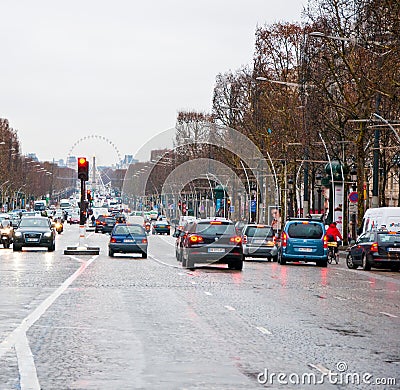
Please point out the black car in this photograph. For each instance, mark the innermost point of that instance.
(34, 231)
(212, 241)
(108, 225)
(128, 238)
(377, 248)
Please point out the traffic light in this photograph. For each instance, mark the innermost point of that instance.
(89, 196)
(83, 169)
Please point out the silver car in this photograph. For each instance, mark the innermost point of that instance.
(259, 241)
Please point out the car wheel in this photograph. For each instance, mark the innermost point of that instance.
(365, 264)
(275, 258)
(183, 260)
(282, 260)
(238, 265)
(395, 268)
(51, 248)
(110, 253)
(350, 263)
(189, 263)
(17, 248)
(144, 255)
(322, 263)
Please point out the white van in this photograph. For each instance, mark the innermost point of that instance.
(65, 204)
(381, 217)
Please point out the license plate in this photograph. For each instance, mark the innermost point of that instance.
(32, 240)
(216, 250)
(305, 249)
(128, 240)
(258, 241)
(393, 249)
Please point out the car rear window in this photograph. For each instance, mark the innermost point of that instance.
(389, 238)
(254, 231)
(215, 229)
(134, 230)
(305, 230)
(110, 220)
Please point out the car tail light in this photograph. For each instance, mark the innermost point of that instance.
(374, 247)
(274, 240)
(284, 239)
(144, 241)
(325, 241)
(235, 240)
(244, 239)
(168, 227)
(215, 223)
(195, 239)
(113, 240)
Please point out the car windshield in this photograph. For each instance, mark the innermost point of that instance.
(215, 228)
(33, 222)
(132, 230)
(389, 238)
(305, 230)
(255, 231)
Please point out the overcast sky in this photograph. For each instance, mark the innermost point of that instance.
(121, 69)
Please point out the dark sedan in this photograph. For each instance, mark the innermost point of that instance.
(161, 227)
(212, 241)
(378, 249)
(34, 231)
(128, 238)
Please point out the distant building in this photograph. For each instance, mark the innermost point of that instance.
(127, 160)
(72, 162)
(32, 156)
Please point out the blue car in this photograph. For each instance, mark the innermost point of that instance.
(304, 239)
(128, 238)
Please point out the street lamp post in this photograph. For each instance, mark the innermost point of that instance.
(353, 178)
(318, 182)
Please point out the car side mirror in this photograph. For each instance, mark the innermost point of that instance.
(352, 242)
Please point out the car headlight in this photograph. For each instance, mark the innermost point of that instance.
(18, 234)
(47, 234)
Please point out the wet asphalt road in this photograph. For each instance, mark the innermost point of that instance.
(94, 322)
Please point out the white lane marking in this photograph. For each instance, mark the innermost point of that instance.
(28, 321)
(77, 259)
(319, 367)
(387, 314)
(263, 330)
(193, 282)
(162, 262)
(165, 240)
(341, 299)
(26, 364)
(230, 308)
(207, 293)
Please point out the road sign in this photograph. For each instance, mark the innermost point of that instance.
(253, 206)
(232, 209)
(353, 197)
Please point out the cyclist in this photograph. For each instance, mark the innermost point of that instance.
(333, 234)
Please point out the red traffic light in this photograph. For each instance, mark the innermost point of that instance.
(83, 169)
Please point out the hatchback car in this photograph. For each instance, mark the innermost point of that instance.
(376, 248)
(212, 241)
(180, 237)
(259, 241)
(304, 239)
(34, 231)
(128, 238)
(161, 227)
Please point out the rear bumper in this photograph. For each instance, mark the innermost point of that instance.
(296, 256)
(128, 248)
(202, 254)
(260, 251)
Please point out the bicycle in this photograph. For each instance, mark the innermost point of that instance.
(332, 254)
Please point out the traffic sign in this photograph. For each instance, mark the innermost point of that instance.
(353, 197)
